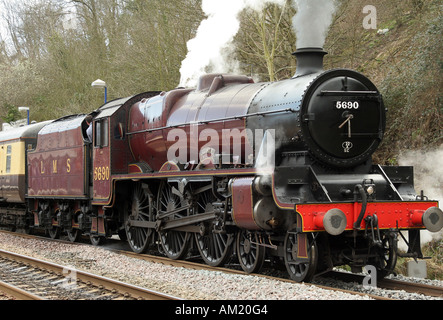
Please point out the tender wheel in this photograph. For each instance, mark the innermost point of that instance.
(214, 248)
(300, 268)
(175, 244)
(250, 254)
(97, 240)
(139, 209)
(74, 235)
(54, 232)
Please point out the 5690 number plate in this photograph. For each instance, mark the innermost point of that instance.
(347, 105)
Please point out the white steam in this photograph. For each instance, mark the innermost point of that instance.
(312, 21)
(428, 171)
(428, 176)
(213, 34)
(211, 48)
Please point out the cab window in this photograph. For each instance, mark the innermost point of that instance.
(101, 133)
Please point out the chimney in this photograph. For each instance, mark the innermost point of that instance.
(309, 60)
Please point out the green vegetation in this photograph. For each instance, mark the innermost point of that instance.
(49, 65)
(434, 250)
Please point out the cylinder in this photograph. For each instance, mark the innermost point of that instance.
(252, 210)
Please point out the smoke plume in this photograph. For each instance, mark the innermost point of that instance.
(210, 47)
(312, 21)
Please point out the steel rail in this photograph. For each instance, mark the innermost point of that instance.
(199, 266)
(18, 293)
(421, 288)
(395, 284)
(391, 284)
(106, 283)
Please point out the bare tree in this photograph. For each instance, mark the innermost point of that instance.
(266, 41)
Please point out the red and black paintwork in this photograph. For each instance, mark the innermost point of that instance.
(58, 166)
(320, 202)
(58, 176)
(220, 102)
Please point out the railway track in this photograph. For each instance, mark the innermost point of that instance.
(411, 287)
(347, 277)
(17, 293)
(390, 284)
(35, 279)
(200, 266)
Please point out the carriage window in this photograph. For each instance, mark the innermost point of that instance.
(8, 159)
(101, 133)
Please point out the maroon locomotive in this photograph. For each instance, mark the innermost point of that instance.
(277, 172)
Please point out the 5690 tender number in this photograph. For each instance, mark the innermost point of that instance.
(101, 173)
(347, 105)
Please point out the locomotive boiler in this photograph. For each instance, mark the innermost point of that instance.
(277, 172)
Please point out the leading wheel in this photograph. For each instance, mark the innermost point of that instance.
(215, 247)
(250, 253)
(300, 253)
(138, 210)
(175, 244)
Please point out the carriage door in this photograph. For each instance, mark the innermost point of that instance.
(2, 170)
(101, 169)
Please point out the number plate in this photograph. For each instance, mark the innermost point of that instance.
(348, 105)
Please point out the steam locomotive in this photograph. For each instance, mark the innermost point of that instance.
(278, 172)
